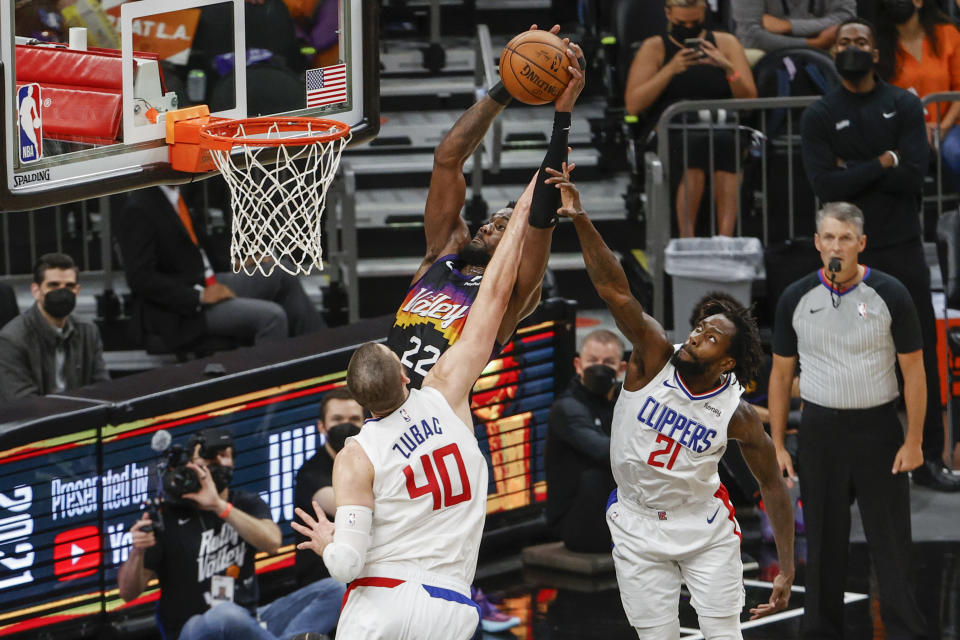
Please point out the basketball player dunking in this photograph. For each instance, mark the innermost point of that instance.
(411, 488)
(443, 290)
(670, 517)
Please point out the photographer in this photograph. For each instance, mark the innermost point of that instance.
(203, 556)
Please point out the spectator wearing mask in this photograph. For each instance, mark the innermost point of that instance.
(920, 52)
(203, 557)
(579, 479)
(768, 25)
(340, 417)
(690, 62)
(865, 143)
(45, 349)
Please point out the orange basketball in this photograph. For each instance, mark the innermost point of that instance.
(533, 67)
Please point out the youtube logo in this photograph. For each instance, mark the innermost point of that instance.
(76, 553)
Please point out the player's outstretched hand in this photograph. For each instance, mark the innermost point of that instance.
(319, 531)
(555, 29)
(779, 599)
(569, 195)
(575, 65)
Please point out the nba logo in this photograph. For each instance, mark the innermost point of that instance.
(29, 123)
(862, 309)
(405, 415)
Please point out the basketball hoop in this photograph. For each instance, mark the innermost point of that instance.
(278, 187)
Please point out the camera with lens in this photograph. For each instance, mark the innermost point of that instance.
(177, 478)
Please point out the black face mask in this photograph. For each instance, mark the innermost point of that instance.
(221, 475)
(853, 64)
(681, 33)
(899, 11)
(59, 303)
(337, 434)
(599, 379)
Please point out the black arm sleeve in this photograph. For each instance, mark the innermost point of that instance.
(546, 198)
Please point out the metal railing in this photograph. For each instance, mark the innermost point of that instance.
(761, 110)
(935, 99)
(485, 76)
(657, 174)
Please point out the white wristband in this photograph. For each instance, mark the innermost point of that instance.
(351, 537)
(896, 158)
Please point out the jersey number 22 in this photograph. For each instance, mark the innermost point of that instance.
(432, 353)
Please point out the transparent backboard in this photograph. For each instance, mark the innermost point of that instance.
(87, 83)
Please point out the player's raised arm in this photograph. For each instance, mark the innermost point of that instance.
(651, 347)
(546, 200)
(445, 231)
(458, 368)
(444, 228)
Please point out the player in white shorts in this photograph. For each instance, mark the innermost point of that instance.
(670, 517)
(411, 488)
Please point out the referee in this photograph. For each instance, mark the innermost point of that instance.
(849, 325)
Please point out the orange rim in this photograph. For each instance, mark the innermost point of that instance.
(223, 135)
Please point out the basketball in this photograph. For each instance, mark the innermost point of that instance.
(533, 67)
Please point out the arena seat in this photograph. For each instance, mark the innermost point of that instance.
(8, 304)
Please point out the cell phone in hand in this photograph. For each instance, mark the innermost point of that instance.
(692, 43)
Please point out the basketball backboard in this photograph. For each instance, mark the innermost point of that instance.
(86, 84)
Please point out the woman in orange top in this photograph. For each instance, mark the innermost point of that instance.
(920, 51)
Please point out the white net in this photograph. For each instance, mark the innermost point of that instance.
(278, 206)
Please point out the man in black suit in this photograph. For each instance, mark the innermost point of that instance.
(184, 287)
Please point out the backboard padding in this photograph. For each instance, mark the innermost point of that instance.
(70, 170)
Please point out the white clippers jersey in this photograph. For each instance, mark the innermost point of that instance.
(666, 442)
(429, 487)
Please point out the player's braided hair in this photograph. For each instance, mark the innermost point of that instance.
(745, 345)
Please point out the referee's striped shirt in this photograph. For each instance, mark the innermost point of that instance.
(847, 352)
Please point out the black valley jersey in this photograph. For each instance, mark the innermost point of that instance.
(432, 317)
